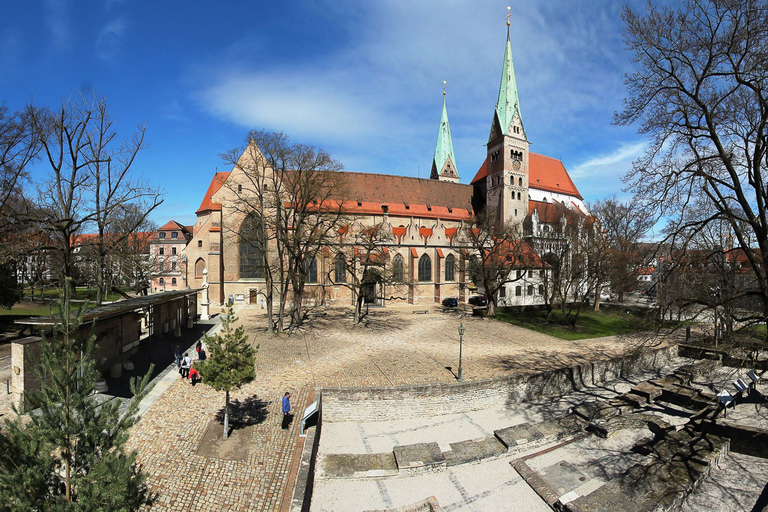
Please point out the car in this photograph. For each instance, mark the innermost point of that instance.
(478, 300)
(450, 302)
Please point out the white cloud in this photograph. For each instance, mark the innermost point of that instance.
(110, 38)
(620, 159)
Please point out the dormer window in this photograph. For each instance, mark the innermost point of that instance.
(162, 235)
(359, 204)
(407, 206)
(174, 235)
(429, 207)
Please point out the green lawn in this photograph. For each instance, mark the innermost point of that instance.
(590, 324)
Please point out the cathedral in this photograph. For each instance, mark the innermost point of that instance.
(424, 217)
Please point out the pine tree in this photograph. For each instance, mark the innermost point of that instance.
(231, 362)
(70, 454)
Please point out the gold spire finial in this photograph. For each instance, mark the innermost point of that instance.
(444, 82)
(509, 14)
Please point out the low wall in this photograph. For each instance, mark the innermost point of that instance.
(402, 402)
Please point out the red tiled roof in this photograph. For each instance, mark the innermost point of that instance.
(207, 205)
(545, 174)
(365, 193)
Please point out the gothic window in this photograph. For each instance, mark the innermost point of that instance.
(199, 267)
(397, 269)
(310, 270)
(518, 196)
(425, 268)
(474, 269)
(450, 268)
(251, 257)
(520, 181)
(340, 269)
(199, 244)
(162, 282)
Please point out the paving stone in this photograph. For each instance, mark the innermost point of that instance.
(474, 450)
(419, 455)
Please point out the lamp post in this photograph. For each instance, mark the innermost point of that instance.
(461, 343)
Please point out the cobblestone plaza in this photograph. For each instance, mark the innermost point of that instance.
(395, 347)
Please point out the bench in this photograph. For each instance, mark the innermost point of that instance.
(725, 398)
(420, 312)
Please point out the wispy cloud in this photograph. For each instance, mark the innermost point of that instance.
(58, 22)
(110, 39)
(608, 164)
(173, 111)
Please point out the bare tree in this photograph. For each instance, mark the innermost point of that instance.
(18, 147)
(89, 182)
(501, 255)
(361, 265)
(623, 225)
(294, 197)
(700, 93)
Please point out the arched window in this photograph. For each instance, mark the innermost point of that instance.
(475, 274)
(173, 282)
(251, 257)
(397, 269)
(199, 267)
(450, 268)
(425, 268)
(162, 282)
(310, 270)
(340, 269)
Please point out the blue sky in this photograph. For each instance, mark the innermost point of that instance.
(362, 80)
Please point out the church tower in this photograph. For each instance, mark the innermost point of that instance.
(507, 178)
(444, 163)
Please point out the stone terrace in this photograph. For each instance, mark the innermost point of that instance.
(395, 347)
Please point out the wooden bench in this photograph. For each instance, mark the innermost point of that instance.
(420, 312)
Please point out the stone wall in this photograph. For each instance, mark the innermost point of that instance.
(373, 404)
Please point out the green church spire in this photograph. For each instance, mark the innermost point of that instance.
(508, 103)
(444, 162)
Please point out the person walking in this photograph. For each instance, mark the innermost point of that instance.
(178, 354)
(194, 375)
(286, 411)
(186, 362)
(201, 355)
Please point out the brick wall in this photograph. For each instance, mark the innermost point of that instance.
(372, 404)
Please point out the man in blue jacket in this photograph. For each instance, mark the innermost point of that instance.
(286, 410)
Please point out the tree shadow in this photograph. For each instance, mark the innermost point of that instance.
(245, 413)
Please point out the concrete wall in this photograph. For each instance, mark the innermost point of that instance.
(372, 404)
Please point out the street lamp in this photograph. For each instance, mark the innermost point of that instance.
(461, 342)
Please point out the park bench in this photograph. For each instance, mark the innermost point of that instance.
(420, 312)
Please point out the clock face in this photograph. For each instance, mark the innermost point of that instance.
(516, 164)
